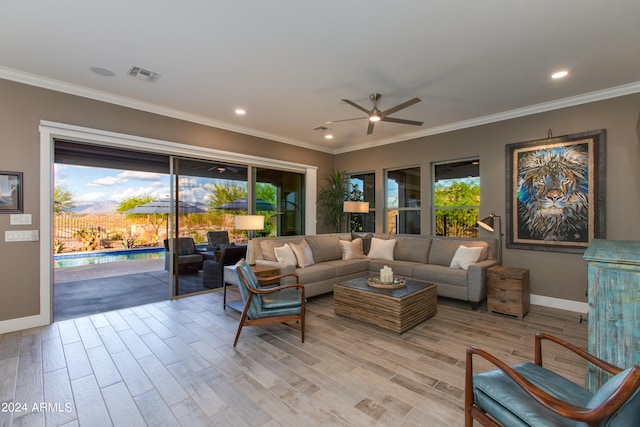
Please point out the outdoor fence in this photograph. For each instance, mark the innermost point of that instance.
(93, 231)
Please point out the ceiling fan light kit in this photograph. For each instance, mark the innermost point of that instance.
(375, 115)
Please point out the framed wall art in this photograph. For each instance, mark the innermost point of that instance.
(10, 192)
(556, 192)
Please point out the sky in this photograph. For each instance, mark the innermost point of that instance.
(108, 187)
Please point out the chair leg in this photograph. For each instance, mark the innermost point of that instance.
(238, 333)
(242, 319)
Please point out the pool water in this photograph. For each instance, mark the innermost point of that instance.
(87, 258)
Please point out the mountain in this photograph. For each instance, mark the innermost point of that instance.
(103, 206)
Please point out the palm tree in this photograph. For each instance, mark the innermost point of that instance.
(62, 199)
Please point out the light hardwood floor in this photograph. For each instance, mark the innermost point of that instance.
(172, 363)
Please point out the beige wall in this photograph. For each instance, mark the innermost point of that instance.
(22, 107)
(553, 274)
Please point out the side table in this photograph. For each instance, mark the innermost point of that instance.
(231, 279)
(508, 290)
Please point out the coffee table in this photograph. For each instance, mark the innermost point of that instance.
(396, 310)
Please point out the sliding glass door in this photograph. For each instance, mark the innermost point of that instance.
(206, 196)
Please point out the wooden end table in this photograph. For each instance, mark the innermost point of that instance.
(396, 310)
(508, 290)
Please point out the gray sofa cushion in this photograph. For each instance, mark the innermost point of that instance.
(316, 273)
(442, 251)
(412, 249)
(351, 266)
(324, 247)
(440, 274)
(400, 268)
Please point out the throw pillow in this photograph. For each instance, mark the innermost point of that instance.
(465, 256)
(352, 249)
(284, 254)
(382, 249)
(303, 254)
(366, 241)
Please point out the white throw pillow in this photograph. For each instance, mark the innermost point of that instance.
(352, 249)
(284, 254)
(303, 254)
(465, 256)
(382, 249)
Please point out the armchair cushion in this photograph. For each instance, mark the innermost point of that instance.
(625, 416)
(500, 396)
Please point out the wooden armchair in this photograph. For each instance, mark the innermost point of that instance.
(527, 394)
(276, 304)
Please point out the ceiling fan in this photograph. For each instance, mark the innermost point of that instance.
(375, 115)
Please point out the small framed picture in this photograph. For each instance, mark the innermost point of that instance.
(10, 192)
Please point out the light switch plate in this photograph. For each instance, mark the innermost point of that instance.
(20, 219)
(21, 236)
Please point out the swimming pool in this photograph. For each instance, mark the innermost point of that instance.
(100, 257)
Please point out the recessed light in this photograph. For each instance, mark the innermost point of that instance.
(559, 74)
(103, 71)
(328, 136)
(240, 111)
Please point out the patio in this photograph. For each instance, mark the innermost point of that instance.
(90, 289)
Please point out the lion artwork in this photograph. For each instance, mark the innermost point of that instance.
(553, 201)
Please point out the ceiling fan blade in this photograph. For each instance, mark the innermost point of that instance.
(403, 121)
(353, 104)
(370, 127)
(401, 106)
(344, 120)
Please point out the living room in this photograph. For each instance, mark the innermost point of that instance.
(558, 279)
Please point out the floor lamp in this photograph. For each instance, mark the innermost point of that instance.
(250, 223)
(487, 224)
(355, 207)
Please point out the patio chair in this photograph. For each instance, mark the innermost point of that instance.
(527, 394)
(189, 258)
(216, 240)
(213, 270)
(275, 304)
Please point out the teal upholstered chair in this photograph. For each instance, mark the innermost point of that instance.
(527, 394)
(269, 304)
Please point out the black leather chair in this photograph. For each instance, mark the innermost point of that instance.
(189, 257)
(213, 271)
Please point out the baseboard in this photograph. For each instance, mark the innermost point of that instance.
(562, 304)
(21, 323)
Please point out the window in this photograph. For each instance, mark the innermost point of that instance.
(286, 191)
(403, 201)
(456, 191)
(362, 188)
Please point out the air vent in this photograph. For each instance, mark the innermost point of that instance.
(142, 74)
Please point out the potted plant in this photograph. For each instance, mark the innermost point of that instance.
(332, 196)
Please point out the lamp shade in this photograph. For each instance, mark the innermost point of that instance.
(356, 207)
(249, 222)
(487, 223)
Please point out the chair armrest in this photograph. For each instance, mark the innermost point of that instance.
(277, 288)
(560, 407)
(277, 277)
(606, 366)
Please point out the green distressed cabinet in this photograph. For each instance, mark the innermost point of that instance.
(614, 305)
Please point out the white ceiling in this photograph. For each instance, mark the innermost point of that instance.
(290, 62)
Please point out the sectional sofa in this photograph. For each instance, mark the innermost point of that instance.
(422, 258)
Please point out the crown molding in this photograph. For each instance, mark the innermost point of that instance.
(72, 89)
(586, 98)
